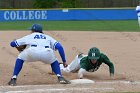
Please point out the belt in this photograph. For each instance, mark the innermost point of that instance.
(36, 46)
(33, 45)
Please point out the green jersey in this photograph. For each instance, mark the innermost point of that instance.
(88, 66)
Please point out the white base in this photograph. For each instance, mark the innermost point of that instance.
(81, 81)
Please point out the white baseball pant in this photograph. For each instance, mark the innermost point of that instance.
(33, 54)
(74, 66)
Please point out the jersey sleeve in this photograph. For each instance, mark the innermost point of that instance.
(83, 64)
(21, 41)
(59, 47)
(107, 61)
(53, 43)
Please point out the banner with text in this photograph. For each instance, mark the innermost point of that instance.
(9, 15)
(68, 14)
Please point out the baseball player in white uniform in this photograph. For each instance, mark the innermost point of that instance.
(138, 13)
(39, 48)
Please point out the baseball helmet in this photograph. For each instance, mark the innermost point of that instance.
(94, 53)
(36, 28)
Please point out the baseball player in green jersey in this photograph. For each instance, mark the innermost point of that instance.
(89, 63)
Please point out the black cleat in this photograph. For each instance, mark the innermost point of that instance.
(62, 80)
(12, 82)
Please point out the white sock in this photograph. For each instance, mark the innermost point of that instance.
(14, 76)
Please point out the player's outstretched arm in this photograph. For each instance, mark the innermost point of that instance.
(59, 47)
(81, 73)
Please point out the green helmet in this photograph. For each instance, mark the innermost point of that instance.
(94, 53)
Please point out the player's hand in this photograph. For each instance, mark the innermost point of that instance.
(65, 64)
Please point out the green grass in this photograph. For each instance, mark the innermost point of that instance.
(127, 25)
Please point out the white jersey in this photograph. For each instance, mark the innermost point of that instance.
(138, 14)
(138, 9)
(37, 39)
(39, 48)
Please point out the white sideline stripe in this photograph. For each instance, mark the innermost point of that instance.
(55, 90)
(122, 82)
(36, 90)
(46, 90)
(104, 88)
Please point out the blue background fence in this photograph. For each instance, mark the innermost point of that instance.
(68, 14)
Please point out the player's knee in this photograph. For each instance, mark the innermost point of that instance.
(55, 63)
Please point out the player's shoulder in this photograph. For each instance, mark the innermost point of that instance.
(27, 36)
(138, 7)
(36, 33)
(102, 55)
(84, 59)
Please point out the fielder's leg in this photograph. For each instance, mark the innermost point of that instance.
(17, 69)
(57, 71)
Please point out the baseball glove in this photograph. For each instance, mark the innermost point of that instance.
(21, 48)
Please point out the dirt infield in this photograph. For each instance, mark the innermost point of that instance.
(123, 49)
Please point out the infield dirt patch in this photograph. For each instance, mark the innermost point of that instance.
(123, 49)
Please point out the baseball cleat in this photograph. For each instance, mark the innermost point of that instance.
(62, 80)
(12, 82)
